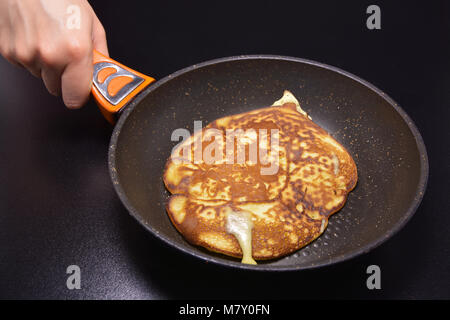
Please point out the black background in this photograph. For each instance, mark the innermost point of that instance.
(58, 206)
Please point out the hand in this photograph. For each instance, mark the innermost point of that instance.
(54, 40)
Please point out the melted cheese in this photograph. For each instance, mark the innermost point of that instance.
(288, 97)
(322, 226)
(239, 224)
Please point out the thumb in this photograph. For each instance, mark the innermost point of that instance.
(99, 37)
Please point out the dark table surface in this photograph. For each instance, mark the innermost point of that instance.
(58, 206)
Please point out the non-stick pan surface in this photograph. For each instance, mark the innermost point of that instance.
(385, 144)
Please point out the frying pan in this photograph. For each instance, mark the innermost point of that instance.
(387, 147)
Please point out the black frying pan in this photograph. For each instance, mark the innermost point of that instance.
(384, 142)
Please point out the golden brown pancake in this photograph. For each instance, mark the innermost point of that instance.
(262, 207)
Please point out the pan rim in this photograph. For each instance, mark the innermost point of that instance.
(420, 191)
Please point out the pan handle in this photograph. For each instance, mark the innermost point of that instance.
(114, 85)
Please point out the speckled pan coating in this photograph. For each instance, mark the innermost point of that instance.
(384, 142)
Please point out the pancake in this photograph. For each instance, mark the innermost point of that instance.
(258, 185)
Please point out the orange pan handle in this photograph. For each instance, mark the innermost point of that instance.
(114, 85)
